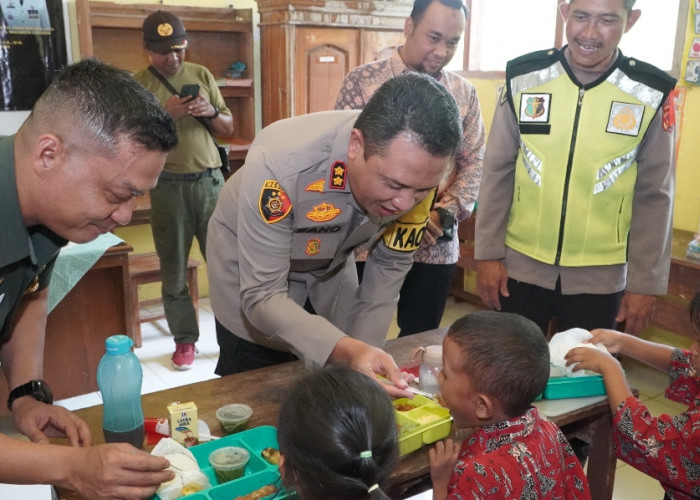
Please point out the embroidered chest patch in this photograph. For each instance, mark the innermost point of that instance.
(323, 212)
(274, 203)
(313, 246)
(316, 186)
(534, 108)
(625, 118)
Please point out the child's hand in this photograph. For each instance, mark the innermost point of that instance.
(586, 358)
(611, 339)
(443, 458)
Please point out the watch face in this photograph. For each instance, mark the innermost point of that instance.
(42, 392)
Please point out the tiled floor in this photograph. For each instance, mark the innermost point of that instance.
(158, 374)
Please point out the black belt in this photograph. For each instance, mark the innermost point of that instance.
(195, 176)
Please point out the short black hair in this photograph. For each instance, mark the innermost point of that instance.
(420, 6)
(106, 105)
(505, 356)
(414, 103)
(337, 432)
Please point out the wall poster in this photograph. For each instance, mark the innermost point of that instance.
(690, 69)
(32, 50)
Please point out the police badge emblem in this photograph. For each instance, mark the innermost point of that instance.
(534, 108)
(274, 203)
(625, 118)
(313, 246)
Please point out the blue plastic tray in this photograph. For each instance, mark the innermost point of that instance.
(257, 473)
(574, 387)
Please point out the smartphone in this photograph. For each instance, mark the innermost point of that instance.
(190, 89)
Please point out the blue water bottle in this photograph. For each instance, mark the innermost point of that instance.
(119, 377)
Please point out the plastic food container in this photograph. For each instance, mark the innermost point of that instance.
(234, 417)
(256, 474)
(421, 421)
(229, 463)
(574, 387)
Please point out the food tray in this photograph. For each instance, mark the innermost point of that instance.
(257, 474)
(421, 421)
(574, 387)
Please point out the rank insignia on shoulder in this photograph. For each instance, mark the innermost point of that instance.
(338, 175)
(313, 246)
(274, 205)
(316, 186)
(323, 212)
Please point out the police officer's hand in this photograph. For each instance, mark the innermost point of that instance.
(371, 361)
(491, 282)
(636, 311)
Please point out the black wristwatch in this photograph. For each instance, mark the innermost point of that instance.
(38, 389)
(216, 113)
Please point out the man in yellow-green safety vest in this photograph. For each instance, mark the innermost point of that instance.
(575, 209)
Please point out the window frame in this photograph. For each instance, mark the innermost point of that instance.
(559, 42)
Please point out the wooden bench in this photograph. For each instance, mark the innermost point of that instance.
(145, 268)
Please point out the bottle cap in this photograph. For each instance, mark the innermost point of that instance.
(118, 344)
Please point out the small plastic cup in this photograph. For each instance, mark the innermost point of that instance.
(234, 418)
(229, 462)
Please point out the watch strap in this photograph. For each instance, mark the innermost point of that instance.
(38, 389)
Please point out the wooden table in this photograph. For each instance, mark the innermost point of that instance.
(265, 389)
(98, 306)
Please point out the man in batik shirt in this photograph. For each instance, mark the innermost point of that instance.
(432, 32)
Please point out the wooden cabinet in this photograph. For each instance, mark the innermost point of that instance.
(97, 307)
(308, 46)
(216, 37)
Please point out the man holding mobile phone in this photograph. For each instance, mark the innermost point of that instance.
(189, 186)
(189, 89)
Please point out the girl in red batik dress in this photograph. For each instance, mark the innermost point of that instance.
(666, 447)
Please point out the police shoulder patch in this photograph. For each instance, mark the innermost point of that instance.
(406, 233)
(274, 203)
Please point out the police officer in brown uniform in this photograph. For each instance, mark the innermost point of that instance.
(313, 188)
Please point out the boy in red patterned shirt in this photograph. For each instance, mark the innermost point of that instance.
(494, 365)
(666, 447)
